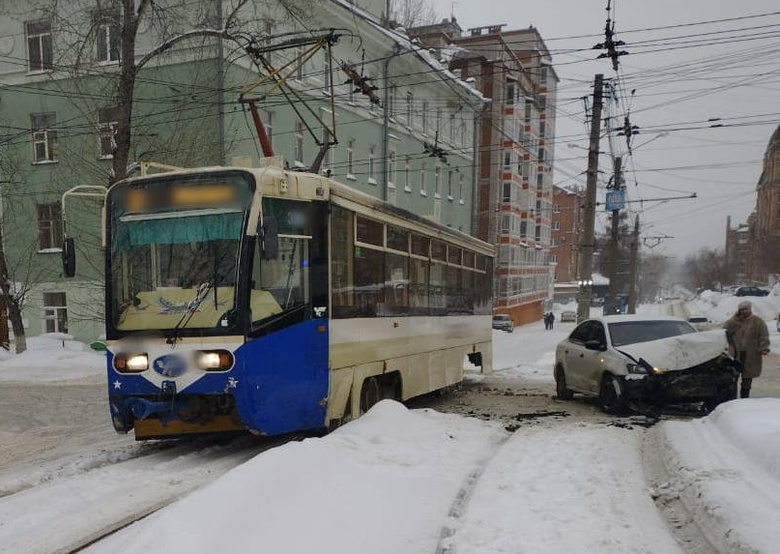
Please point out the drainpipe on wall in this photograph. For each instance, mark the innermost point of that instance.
(386, 120)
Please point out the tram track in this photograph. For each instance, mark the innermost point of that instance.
(98, 502)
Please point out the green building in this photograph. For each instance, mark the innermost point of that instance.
(413, 145)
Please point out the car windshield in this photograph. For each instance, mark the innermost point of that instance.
(500, 318)
(632, 332)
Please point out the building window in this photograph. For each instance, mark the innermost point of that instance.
(425, 116)
(351, 159)
(529, 106)
(325, 72)
(49, 226)
(268, 122)
(449, 184)
(391, 168)
(409, 108)
(391, 102)
(44, 138)
(371, 168)
(506, 192)
(423, 192)
(510, 93)
(507, 159)
(107, 36)
(108, 121)
(299, 143)
(556, 225)
(556, 208)
(299, 61)
(39, 45)
(55, 312)
(437, 181)
(407, 173)
(460, 187)
(543, 74)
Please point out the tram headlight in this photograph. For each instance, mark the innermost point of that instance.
(131, 363)
(214, 360)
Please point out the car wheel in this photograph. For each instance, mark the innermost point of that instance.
(612, 395)
(560, 385)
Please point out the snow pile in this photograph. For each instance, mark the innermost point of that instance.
(726, 469)
(52, 357)
(382, 484)
(721, 306)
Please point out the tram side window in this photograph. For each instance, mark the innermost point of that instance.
(418, 287)
(342, 262)
(396, 284)
(369, 281)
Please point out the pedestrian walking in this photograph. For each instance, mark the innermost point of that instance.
(748, 339)
(552, 320)
(547, 321)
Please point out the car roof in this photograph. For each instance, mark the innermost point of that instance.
(633, 317)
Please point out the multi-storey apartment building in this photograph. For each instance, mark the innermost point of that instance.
(409, 139)
(516, 148)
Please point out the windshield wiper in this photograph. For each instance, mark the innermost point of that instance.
(192, 307)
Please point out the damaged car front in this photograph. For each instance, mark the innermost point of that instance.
(644, 363)
(689, 368)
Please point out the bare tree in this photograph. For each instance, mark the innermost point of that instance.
(412, 13)
(81, 27)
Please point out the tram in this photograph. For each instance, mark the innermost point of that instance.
(274, 301)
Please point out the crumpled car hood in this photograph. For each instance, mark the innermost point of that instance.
(680, 352)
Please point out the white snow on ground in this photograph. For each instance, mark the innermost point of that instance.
(398, 481)
(53, 357)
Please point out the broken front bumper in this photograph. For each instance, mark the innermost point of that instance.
(712, 383)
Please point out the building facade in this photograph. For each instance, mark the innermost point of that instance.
(567, 210)
(753, 248)
(516, 151)
(407, 136)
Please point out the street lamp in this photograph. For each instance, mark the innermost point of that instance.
(584, 290)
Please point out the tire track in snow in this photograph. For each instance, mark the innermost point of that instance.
(458, 507)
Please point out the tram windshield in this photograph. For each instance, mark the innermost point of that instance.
(173, 266)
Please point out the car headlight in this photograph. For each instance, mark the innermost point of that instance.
(214, 360)
(131, 363)
(635, 369)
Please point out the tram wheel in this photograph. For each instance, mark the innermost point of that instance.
(370, 394)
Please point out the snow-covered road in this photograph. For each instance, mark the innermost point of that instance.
(400, 480)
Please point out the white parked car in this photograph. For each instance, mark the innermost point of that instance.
(568, 315)
(699, 322)
(641, 362)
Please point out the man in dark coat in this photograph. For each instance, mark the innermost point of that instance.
(748, 339)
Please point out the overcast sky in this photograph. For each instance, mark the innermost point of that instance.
(682, 76)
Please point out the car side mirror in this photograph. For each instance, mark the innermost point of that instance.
(69, 257)
(595, 345)
(269, 238)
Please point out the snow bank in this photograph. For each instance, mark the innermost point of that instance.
(53, 357)
(382, 484)
(726, 470)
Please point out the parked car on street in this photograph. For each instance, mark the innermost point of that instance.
(643, 363)
(751, 291)
(568, 315)
(699, 322)
(503, 322)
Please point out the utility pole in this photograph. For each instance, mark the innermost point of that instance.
(611, 301)
(585, 270)
(633, 268)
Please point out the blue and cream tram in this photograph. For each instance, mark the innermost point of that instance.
(275, 301)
